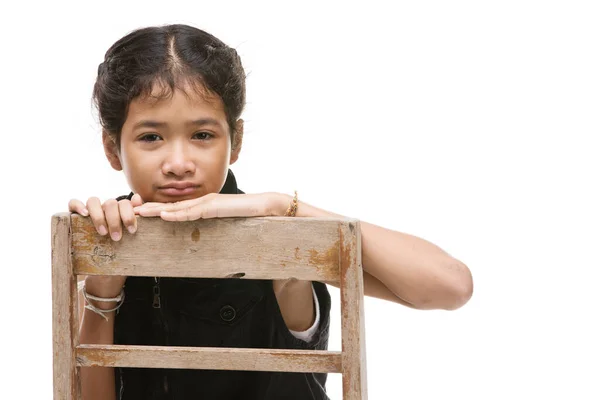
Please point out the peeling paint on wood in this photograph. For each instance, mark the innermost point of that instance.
(354, 368)
(309, 249)
(65, 336)
(319, 249)
(281, 360)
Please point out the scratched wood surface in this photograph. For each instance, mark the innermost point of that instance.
(354, 367)
(320, 249)
(209, 358)
(65, 335)
(250, 248)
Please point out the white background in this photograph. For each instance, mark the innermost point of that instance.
(472, 124)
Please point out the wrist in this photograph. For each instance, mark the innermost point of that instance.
(102, 306)
(102, 286)
(278, 204)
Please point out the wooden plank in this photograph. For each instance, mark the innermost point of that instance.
(65, 335)
(251, 248)
(208, 358)
(354, 369)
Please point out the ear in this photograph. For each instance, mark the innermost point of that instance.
(111, 151)
(236, 145)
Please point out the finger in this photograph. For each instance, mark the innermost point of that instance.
(136, 200)
(147, 212)
(175, 205)
(143, 209)
(173, 216)
(113, 218)
(97, 214)
(78, 207)
(128, 216)
(151, 205)
(154, 210)
(188, 214)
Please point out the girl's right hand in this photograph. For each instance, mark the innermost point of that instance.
(107, 218)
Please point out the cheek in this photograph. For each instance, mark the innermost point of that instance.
(215, 172)
(139, 169)
(215, 158)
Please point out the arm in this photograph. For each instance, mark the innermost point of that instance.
(400, 267)
(99, 382)
(96, 382)
(397, 267)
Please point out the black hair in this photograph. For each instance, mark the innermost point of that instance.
(168, 56)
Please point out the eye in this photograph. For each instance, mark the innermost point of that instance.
(151, 137)
(203, 135)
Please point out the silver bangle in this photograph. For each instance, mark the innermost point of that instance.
(104, 299)
(120, 299)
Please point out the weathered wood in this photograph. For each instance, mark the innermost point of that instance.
(250, 248)
(218, 358)
(65, 336)
(354, 370)
(319, 249)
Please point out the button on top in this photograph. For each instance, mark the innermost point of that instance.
(227, 313)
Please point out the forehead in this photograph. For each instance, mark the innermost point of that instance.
(178, 104)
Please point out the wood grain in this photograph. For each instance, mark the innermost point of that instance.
(209, 358)
(318, 249)
(65, 335)
(354, 367)
(249, 248)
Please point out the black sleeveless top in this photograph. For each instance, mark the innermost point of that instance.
(213, 313)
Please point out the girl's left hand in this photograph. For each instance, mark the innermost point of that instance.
(215, 205)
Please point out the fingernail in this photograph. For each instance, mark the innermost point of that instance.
(85, 212)
(102, 230)
(131, 229)
(115, 236)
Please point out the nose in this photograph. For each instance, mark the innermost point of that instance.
(178, 162)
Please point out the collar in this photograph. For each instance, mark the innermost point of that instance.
(230, 186)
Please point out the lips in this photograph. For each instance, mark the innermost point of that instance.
(178, 185)
(178, 188)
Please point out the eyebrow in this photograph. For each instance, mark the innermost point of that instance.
(160, 124)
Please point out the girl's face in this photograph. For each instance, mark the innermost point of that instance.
(175, 149)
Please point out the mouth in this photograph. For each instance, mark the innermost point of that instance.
(178, 190)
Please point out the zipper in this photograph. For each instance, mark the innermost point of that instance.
(156, 291)
(157, 305)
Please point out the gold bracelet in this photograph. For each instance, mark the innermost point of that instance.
(291, 211)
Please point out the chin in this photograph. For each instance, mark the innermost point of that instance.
(162, 198)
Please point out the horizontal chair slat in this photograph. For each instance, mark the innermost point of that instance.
(91, 355)
(250, 248)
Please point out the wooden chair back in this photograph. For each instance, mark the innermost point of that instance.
(315, 249)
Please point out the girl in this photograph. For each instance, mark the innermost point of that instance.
(170, 100)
